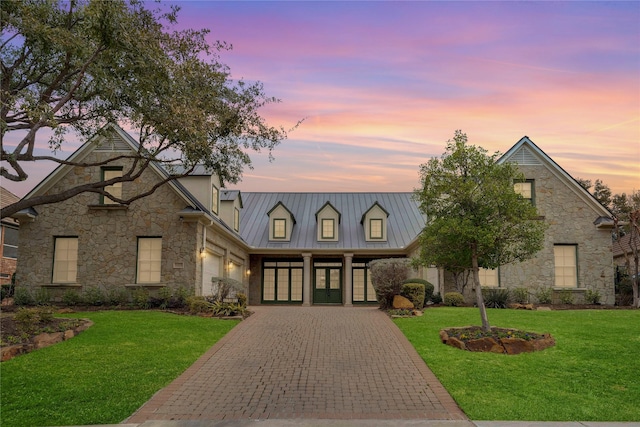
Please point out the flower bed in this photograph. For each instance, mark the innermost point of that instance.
(497, 340)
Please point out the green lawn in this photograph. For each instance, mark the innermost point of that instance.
(592, 374)
(107, 372)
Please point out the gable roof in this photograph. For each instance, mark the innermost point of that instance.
(115, 139)
(625, 245)
(405, 221)
(328, 203)
(231, 195)
(364, 214)
(526, 153)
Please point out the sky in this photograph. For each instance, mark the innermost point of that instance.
(382, 86)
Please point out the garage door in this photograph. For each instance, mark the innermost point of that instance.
(211, 268)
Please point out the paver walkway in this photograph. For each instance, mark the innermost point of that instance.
(303, 363)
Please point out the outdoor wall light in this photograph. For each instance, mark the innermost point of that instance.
(203, 254)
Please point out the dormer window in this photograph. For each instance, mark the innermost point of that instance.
(327, 219)
(236, 219)
(375, 228)
(374, 221)
(281, 222)
(279, 228)
(215, 197)
(328, 228)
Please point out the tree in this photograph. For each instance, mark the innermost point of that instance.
(76, 65)
(602, 193)
(474, 217)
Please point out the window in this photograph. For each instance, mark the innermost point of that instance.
(282, 281)
(65, 260)
(488, 277)
(328, 230)
(375, 228)
(149, 259)
(363, 291)
(236, 219)
(279, 228)
(10, 243)
(215, 196)
(566, 266)
(526, 189)
(115, 189)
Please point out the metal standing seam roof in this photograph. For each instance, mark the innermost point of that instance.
(404, 223)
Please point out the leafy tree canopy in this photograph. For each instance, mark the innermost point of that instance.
(76, 65)
(474, 216)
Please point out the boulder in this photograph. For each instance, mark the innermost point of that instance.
(402, 303)
(517, 345)
(45, 340)
(486, 344)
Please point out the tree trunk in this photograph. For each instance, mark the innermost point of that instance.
(479, 299)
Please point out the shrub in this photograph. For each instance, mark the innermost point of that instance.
(42, 297)
(436, 298)
(415, 293)
(117, 296)
(566, 297)
(428, 288)
(592, 296)
(242, 298)
(140, 298)
(387, 276)
(544, 295)
(71, 298)
(28, 319)
(496, 298)
(22, 296)
(226, 288)
(198, 304)
(520, 295)
(7, 290)
(94, 296)
(181, 294)
(453, 299)
(220, 308)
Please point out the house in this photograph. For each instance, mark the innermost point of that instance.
(623, 251)
(577, 248)
(286, 248)
(8, 239)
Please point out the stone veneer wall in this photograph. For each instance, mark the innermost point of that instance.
(570, 221)
(107, 238)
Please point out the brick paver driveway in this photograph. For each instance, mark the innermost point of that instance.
(306, 362)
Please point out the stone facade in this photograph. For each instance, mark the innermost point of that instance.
(108, 237)
(570, 216)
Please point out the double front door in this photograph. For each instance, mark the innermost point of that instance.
(327, 286)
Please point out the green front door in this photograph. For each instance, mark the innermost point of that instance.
(327, 288)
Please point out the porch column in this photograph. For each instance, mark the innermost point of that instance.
(306, 280)
(348, 280)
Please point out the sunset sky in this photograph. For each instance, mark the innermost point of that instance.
(382, 86)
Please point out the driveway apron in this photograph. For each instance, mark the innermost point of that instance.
(306, 363)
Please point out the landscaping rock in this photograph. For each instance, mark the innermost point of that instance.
(45, 340)
(517, 345)
(546, 342)
(402, 303)
(486, 344)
